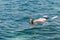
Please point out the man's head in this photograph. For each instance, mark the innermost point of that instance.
(31, 21)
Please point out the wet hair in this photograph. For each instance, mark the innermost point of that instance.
(31, 21)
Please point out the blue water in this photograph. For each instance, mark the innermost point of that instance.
(14, 20)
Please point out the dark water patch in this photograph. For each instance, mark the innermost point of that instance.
(6, 0)
(55, 39)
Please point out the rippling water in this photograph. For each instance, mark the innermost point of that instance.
(14, 20)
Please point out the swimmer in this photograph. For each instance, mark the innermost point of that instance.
(43, 19)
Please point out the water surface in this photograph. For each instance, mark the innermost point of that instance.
(14, 19)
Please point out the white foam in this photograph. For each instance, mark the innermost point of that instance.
(54, 17)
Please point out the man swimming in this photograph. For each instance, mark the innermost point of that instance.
(43, 19)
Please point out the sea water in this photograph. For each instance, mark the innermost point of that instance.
(14, 20)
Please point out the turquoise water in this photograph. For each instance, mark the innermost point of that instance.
(14, 20)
